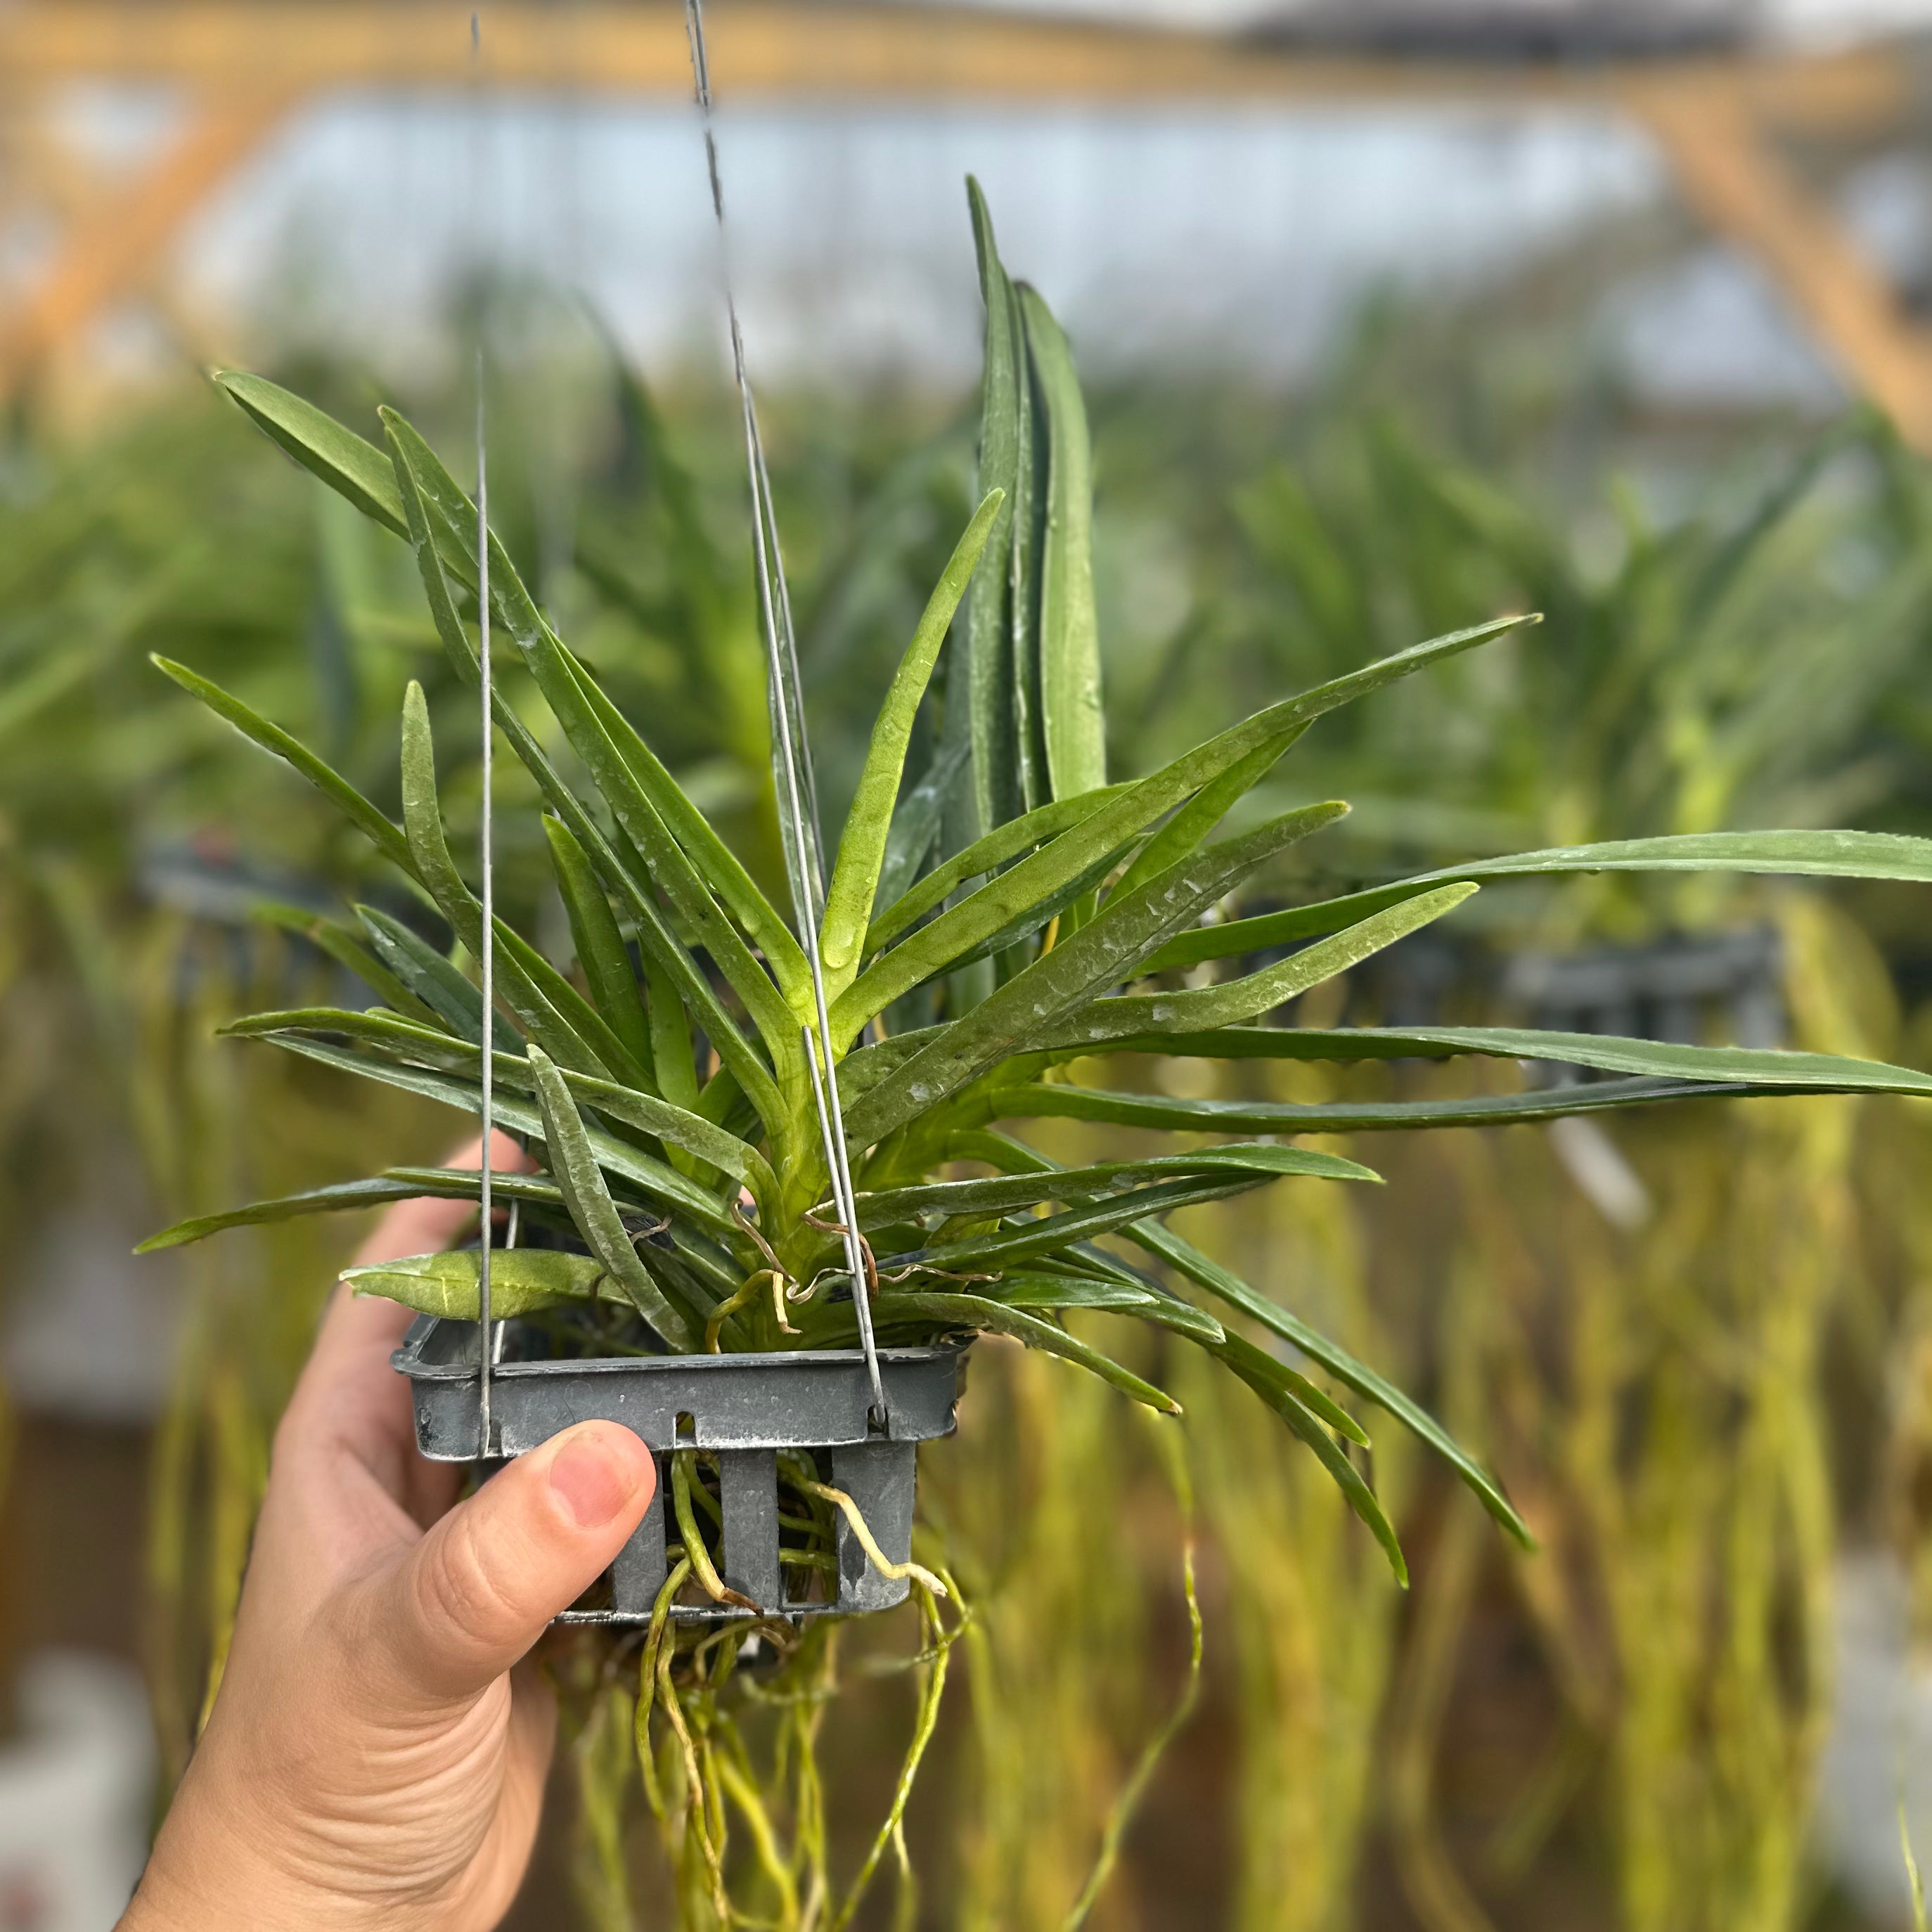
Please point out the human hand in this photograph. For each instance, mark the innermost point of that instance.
(377, 1754)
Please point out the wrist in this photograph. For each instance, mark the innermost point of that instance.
(207, 1873)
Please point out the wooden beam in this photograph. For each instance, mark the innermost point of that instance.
(247, 63)
(110, 249)
(765, 48)
(1734, 180)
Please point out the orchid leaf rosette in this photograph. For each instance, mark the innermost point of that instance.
(998, 928)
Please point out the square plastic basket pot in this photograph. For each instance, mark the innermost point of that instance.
(744, 1408)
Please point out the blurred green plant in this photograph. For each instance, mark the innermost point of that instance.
(1663, 1381)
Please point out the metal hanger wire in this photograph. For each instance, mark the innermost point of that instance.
(791, 752)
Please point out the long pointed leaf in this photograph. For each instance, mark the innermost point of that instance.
(662, 1185)
(602, 954)
(1057, 1293)
(573, 1162)
(640, 793)
(917, 822)
(1762, 1069)
(1010, 1192)
(1071, 722)
(674, 979)
(1200, 815)
(533, 1004)
(1206, 1272)
(848, 902)
(985, 854)
(1330, 1455)
(1204, 1008)
(985, 911)
(1099, 955)
(894, 1305)
(412, 1044)
(988, 687)
(434, 980)
(343, 461)
(342, 1197)
(340, 945)
(1837, 855)
(1256, 1366)
(1345, 1117)
(1026, 1240)
(381, 832)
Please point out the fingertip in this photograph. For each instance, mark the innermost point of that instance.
(477, 1591)
(599, 1472)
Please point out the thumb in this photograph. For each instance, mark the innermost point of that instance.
(476, 1593)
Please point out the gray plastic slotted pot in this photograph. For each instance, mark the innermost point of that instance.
(744, 1409)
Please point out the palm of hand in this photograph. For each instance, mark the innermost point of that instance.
(377, 1752)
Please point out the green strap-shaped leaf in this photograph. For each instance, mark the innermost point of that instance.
(1032, 444)
(455, 1000)
(1012, 1191)
(656, 1182)
(340, 946)
(897, 1306)
(408, 1041)
(1203, 1008)
(640, 793)
(1072, 723)
(542, 998)
(862, 847)
(675, 978)
(1836, 855)
(1063, 903)
(381, 832)
(1348, 1117)
(1099, 955)
(1030, 1240)
(721, 868)
(1270, 1377)
(1200, 815)
(1206, 1272)
(602, 952)
(1767, 1070)
(1257, 1365)
(343, 1197)
(985, 855)
(916, 821)
(1001, 900)
(683, 1129)
(537, 1006)
(573, 1162)
(412, 1044)
(1839, 855)
(988, 711)
(576, 1012)
(522, 1281)
(1762, 1069)
(353, 468)
(1057, 1293)
(1275, 1391)
(673, 1052)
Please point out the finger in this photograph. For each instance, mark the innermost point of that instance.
(348, 1396)
(475, 1594)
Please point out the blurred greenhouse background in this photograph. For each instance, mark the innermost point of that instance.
(1391, 316)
